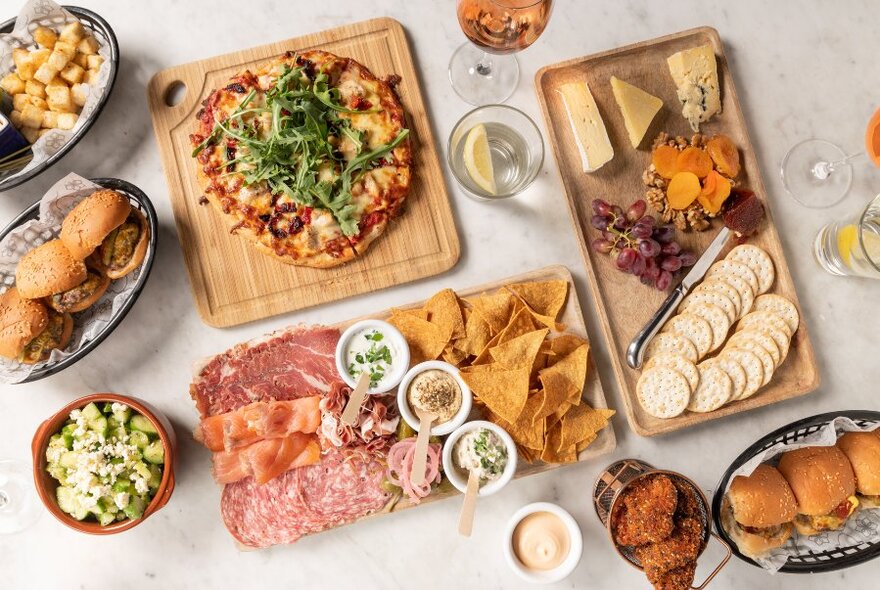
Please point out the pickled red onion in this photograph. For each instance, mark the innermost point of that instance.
(400, 460)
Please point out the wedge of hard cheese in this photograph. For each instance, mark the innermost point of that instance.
(637, 107)
(695, 74)
(589, 131)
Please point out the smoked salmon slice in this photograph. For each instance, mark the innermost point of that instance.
(267, 459)
(259, 421)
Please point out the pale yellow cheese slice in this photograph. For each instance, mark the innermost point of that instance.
(589, 131)
(695, 74)
(637, 107)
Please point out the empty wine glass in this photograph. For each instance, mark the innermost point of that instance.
(19, 505)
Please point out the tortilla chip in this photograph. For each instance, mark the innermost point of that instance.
(426, 342)
(520, 351)
(445, 312)
(419, 312)
(551, 444)
(565, 344)
(525, 431)
(567, 455)
(495, 309)
(573, 366)
(454, 356)
(546, 298)
(520, 323)
(478, 333)
(585, 443)
(485, 357)
(527, 455)
(504, 391)
(556, 392)
(581, 422)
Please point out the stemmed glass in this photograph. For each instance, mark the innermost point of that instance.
(484, 71)
(19, 506)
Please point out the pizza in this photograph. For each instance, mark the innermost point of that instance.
(307, 156)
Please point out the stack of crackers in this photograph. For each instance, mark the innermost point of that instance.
(734, 293)
(526, 374)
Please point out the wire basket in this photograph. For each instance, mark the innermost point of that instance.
(809, 562)
(139, 201)
(101, 29)
(620, 475)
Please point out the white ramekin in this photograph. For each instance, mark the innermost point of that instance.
(457, 478)
(401, 365)
(566, 567)
(410, 417)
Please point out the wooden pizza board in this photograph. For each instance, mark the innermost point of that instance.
(233, 283)
(624, 304)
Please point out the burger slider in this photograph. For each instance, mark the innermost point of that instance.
(28, 331)
(50, 271)
(824, 485)
(863, 451)
(757, 511)
(106, 227)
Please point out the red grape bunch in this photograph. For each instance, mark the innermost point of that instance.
(638, 245)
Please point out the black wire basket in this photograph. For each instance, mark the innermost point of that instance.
(102, 31)
(809, 562)
(140, 201)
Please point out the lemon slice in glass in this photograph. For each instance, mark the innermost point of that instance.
(846, 239)
(478, 159)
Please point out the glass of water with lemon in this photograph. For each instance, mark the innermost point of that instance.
(495, 152)
(852, 249)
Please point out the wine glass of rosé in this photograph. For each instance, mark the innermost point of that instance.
(817, 173)
(483, 70)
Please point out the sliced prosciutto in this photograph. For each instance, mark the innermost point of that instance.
(267, 459)
(259, 421)
(293, 363)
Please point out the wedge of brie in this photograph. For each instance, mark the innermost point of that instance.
(637, 107)
(695, 73)
(589, 131)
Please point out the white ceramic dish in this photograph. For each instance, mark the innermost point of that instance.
(409, 416)
(458, 478)
(401, 364)
(557, 574)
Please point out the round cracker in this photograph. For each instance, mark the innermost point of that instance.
(736, 373)
(762, 319)
(737, 269)
(762, 353)
(781, 307)
(674, 343)
(714, 390)
(694, 328)
(762, 338)
(663, 392)
(752, 367)
(758, 260)
(679, 363)
(779, 337)
(718, 283)
(713, 297)
(746, 293)
(716, 318)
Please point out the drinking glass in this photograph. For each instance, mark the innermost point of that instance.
(515, 146)
(483, 70)
(818, 173)
(853, 248)
(19, 506)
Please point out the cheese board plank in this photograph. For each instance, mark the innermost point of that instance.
(624, 304)
(231, 282)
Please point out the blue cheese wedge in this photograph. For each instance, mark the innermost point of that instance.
(637, 107)
(695, 73)
(587, 125)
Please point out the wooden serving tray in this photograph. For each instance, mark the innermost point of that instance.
(624, 304)
(233, 283)
(573, 318)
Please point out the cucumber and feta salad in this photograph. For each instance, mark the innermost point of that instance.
(108, 461)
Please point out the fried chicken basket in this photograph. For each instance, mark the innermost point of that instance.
(620, 475)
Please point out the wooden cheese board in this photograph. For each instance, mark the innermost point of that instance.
(231, 282)
(624, 304)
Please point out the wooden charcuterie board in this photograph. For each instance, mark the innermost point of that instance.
(232, 283)
(624, 304)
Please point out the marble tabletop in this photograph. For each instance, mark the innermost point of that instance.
(802, 69)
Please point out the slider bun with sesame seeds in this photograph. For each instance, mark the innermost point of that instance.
(21, 320)
(48, 269)
(92, 220)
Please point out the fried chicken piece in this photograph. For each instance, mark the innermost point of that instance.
(645, 514)
(688, 505)
(679, 578)
(682, 547)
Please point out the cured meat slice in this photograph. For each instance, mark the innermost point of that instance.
(289, 364)
(267, 459)
(303, 501)
(258, 421)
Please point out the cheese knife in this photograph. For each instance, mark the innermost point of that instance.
(635, 352)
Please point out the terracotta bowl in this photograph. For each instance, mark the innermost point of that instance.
(46, 484)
